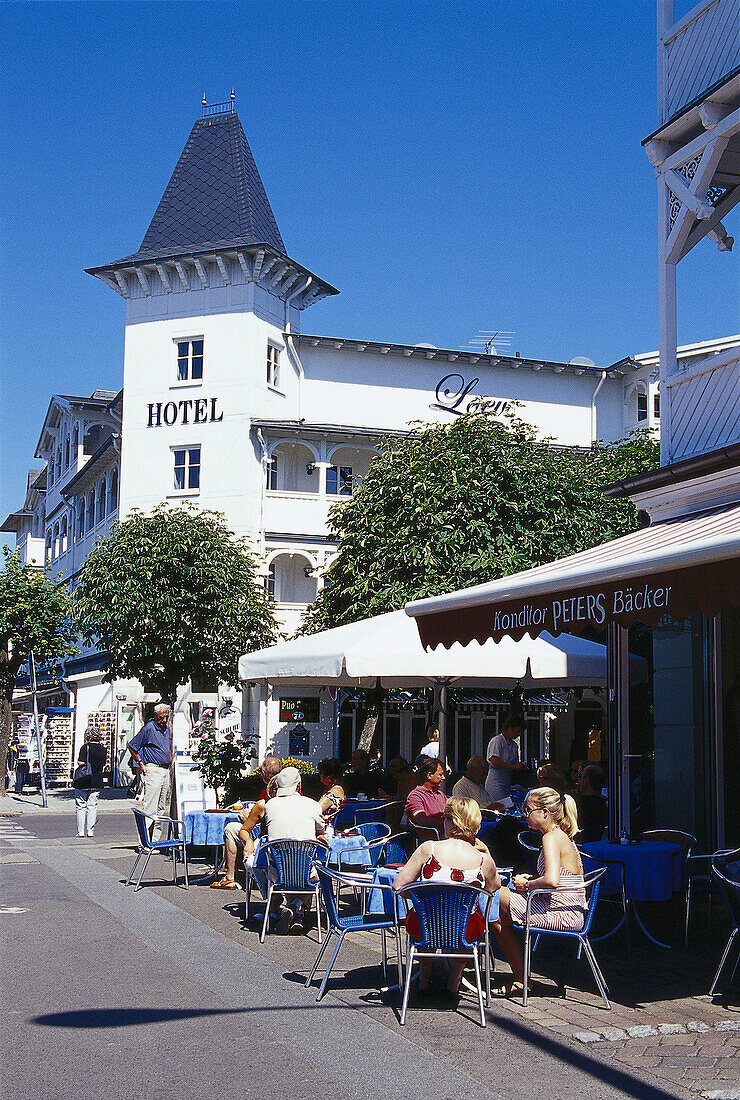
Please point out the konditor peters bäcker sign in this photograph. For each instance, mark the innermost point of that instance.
(589, 608)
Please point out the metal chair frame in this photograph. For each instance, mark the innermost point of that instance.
(726, 885)
(432, 941)
(277, 850)
(147, 846)
(591, 886)
(422, 833)
(685, 841)
(341, 926)
(611, 899)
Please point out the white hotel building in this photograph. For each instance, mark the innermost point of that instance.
(226, 403)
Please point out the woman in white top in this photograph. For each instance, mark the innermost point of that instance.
(460, 857)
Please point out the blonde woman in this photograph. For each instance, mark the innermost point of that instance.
(457, 858)
(559, 864)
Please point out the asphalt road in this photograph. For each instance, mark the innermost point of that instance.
(163, 993)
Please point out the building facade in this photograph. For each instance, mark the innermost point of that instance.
(229, 405)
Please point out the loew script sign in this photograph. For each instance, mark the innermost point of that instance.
(453, 389)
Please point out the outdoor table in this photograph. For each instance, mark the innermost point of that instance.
(353, 850)
(207, 830)
(653, 871)
(346, 815)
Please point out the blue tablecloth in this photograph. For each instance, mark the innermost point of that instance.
(353, 849)
(380, 901)
(367, 808)
(206, 829)
(653, 869)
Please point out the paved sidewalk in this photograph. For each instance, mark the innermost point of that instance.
(61, 800)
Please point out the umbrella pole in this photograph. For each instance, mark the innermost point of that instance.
(440, 710)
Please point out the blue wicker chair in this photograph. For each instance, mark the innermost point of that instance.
(591, 885)
(147, 846)
(443, 911)
(293, 861)
(726, 872)
(341, 926)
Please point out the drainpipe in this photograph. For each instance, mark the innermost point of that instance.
(289, 339)
(263, 483)
(601, 382)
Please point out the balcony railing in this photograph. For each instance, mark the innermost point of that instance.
(704, 403)
(696, 53)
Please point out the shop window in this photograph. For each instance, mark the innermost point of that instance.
(339, 481)
(190, 360)
(187, 468)
(273, 366)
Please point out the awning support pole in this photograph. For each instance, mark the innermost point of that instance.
(440, 715)
(618, 704)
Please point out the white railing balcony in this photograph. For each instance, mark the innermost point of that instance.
(704, 407)
(695, 53)
(293, 511)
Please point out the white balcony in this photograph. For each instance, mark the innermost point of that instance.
(696, 52)
(303, 513)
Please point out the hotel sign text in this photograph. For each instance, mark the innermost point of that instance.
(195, 410)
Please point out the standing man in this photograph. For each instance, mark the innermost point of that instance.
(152, 752)
(503, 761)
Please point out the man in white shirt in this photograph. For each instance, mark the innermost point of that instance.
(471, 784)
(503, 761)
(288, 815)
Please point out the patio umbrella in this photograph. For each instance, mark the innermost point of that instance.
(386, 652)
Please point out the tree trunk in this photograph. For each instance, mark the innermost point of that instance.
(368, 732)
(6, 728)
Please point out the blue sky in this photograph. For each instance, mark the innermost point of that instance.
(449, 167)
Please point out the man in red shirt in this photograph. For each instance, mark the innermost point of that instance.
(269, 767)
(425, 805)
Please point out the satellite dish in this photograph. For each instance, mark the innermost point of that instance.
(432, 347)
(581, 361)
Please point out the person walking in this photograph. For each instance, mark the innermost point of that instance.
(151, 749)
(93, 753)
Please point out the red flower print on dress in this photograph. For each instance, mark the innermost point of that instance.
(457, 875)
(430, 867)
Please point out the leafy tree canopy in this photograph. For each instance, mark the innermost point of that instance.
(34, 616)
(458, 504)
(172, 596)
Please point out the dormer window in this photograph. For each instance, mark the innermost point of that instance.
(190, 360)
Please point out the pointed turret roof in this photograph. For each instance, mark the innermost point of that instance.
(214, 225)
(215, 195)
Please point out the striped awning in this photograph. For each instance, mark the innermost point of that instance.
(670, 568)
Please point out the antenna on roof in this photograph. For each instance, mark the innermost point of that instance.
(483, 341)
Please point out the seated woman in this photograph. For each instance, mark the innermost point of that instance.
(403, 777)
(457, 858)
(330, 773)
(559, 864)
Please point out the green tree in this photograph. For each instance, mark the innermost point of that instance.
(458, 504)
(34, 616)
(172, 596)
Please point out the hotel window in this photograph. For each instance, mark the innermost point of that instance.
(100, 502)
(187, 468)
(190, 360)
(656, 406)
(273, 366)
(272, 472)
(270, 583)
(81, 518)
(90, 520)
(339, 481)
(642, 405)
(113, 492)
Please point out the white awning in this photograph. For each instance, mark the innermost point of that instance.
(386, 651)
(673, 567)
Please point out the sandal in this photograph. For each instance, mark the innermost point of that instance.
(225, 884)
(511, 989)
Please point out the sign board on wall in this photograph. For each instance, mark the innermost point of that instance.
(300, 710)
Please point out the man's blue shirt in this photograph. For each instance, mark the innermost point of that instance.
(154, 745)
